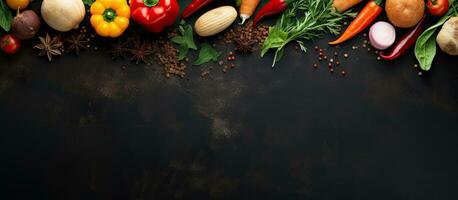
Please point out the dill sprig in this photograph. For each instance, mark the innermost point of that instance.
(303, 20)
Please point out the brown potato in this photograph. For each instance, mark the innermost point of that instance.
(404, 13)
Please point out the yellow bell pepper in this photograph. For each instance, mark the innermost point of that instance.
(110, 18)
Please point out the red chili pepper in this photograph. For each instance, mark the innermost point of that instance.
(194, 6)
(273, 7)
(406, 41)
(367, 15)
(154, 15)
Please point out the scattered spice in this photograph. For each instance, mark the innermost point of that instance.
(167, 56)
(244, 45)
(50, 46)
(245, 37)
(119, 49)
(76, 42)
(140, 51)
(204, 73)
(343, 73)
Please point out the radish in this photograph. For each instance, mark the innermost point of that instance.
(382, 35)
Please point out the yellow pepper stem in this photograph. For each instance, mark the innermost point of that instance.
(109, 15)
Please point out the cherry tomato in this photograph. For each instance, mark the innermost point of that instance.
(17, 4)
(10, 44)
(437, 7)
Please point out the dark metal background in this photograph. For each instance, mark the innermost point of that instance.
(84, 128)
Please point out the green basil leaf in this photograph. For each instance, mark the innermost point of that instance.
(206, 54)
(185, 40)
(5, 16)
(88, 2)
(183, 51)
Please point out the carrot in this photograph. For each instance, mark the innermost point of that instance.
(343, 5)
(247, 8)
(367, 15)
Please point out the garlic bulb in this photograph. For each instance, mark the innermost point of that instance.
(447, 39)
(63, 15)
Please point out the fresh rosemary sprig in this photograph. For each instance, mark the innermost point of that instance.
(303, 20)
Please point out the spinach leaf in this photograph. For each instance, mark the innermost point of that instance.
(206, 54)
(185, 40)
(5, 16)
(88, 2)
(425, 47)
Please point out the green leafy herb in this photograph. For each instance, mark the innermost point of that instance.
(206, 54)
(238, 2)
(425, 47)
(5, 16)
(303, 20)
(185, 40)
(88, 2)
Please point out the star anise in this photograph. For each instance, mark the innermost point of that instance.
(77, 41)
(141, 51)
(244, 45)
(50, 46)
(119, 49)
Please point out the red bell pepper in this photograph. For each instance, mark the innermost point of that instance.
(154, 15)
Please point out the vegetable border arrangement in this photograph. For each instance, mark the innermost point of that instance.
(298, 21)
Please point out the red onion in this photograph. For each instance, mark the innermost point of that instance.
(25, 25)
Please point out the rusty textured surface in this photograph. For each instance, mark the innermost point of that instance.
(84, 128)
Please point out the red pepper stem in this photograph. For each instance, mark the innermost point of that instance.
(150, 3)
